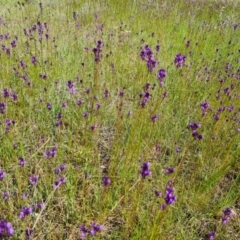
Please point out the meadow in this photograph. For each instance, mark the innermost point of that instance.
(120, 119)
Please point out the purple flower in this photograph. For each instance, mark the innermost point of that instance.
(93, 127)
(60, 168)
(204, 106)
(64, 104)
(227, 213)
(211, 235)
(33, 179)
(179, 60)
(170, 198)
(161, 75)
(58, 182)
(71, 86)
(34, 60)
(6, 229)
(25, 211)
(51, 153)
(5, 93)
(147, 55)
(28, 233)
(49, 106)
(2, 175)
(14, 43)
(97, 51)
(85, 114)
(169, 170)
(154, 118)
(158, 193)
(106, 180)
(2, 107)
(145, 171)
(79, 102)
(194, 126)
(21, 162)
(6, 195)
(95, 228)
(84, 231)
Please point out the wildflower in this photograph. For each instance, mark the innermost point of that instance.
(5, 93)
(33, 179)
(169, 170)
(204, 106)
(161, 75)
(25, 211)
(211, 235)
(169, 198)
(58, 182)
(145, 171)
(64, 104)
(106, 180)
(6, 195)
(95, 228)
(97, 51)
(84, 231)
(2, 107)
(98, 105)
(14, 96)
(227, 213)
(60, 168)
(34, 60)
(93, 127)
(157, 48)
(51, 153)
(154, 118)
(28, 233)
(79, 102)
(49, 106)
(6, 229)
(85, 114)
(2, 175)
(179, 60)
(158, 193)
(71, 86)
(106, 93)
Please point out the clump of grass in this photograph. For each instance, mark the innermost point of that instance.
(115, 126)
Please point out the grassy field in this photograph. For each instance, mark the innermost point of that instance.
(120, 119)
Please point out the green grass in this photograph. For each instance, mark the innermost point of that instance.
(206, 176)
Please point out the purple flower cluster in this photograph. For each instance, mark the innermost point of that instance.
(194, 127)
(179, 60)
(59, 181)
(2, 175)
(161, 75)
(145, 98)
(95, 228)
(51, 153)
(169, 198)
(211, 235)
(147, 55)
(33, 179)
(204, 106)
(97, 50)
(227, 213)
(145, 170)
(71, 86)
(25, 211)
(60, 168)
(2, 107)
(21, 162)
(6, 229)
(106, 180)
